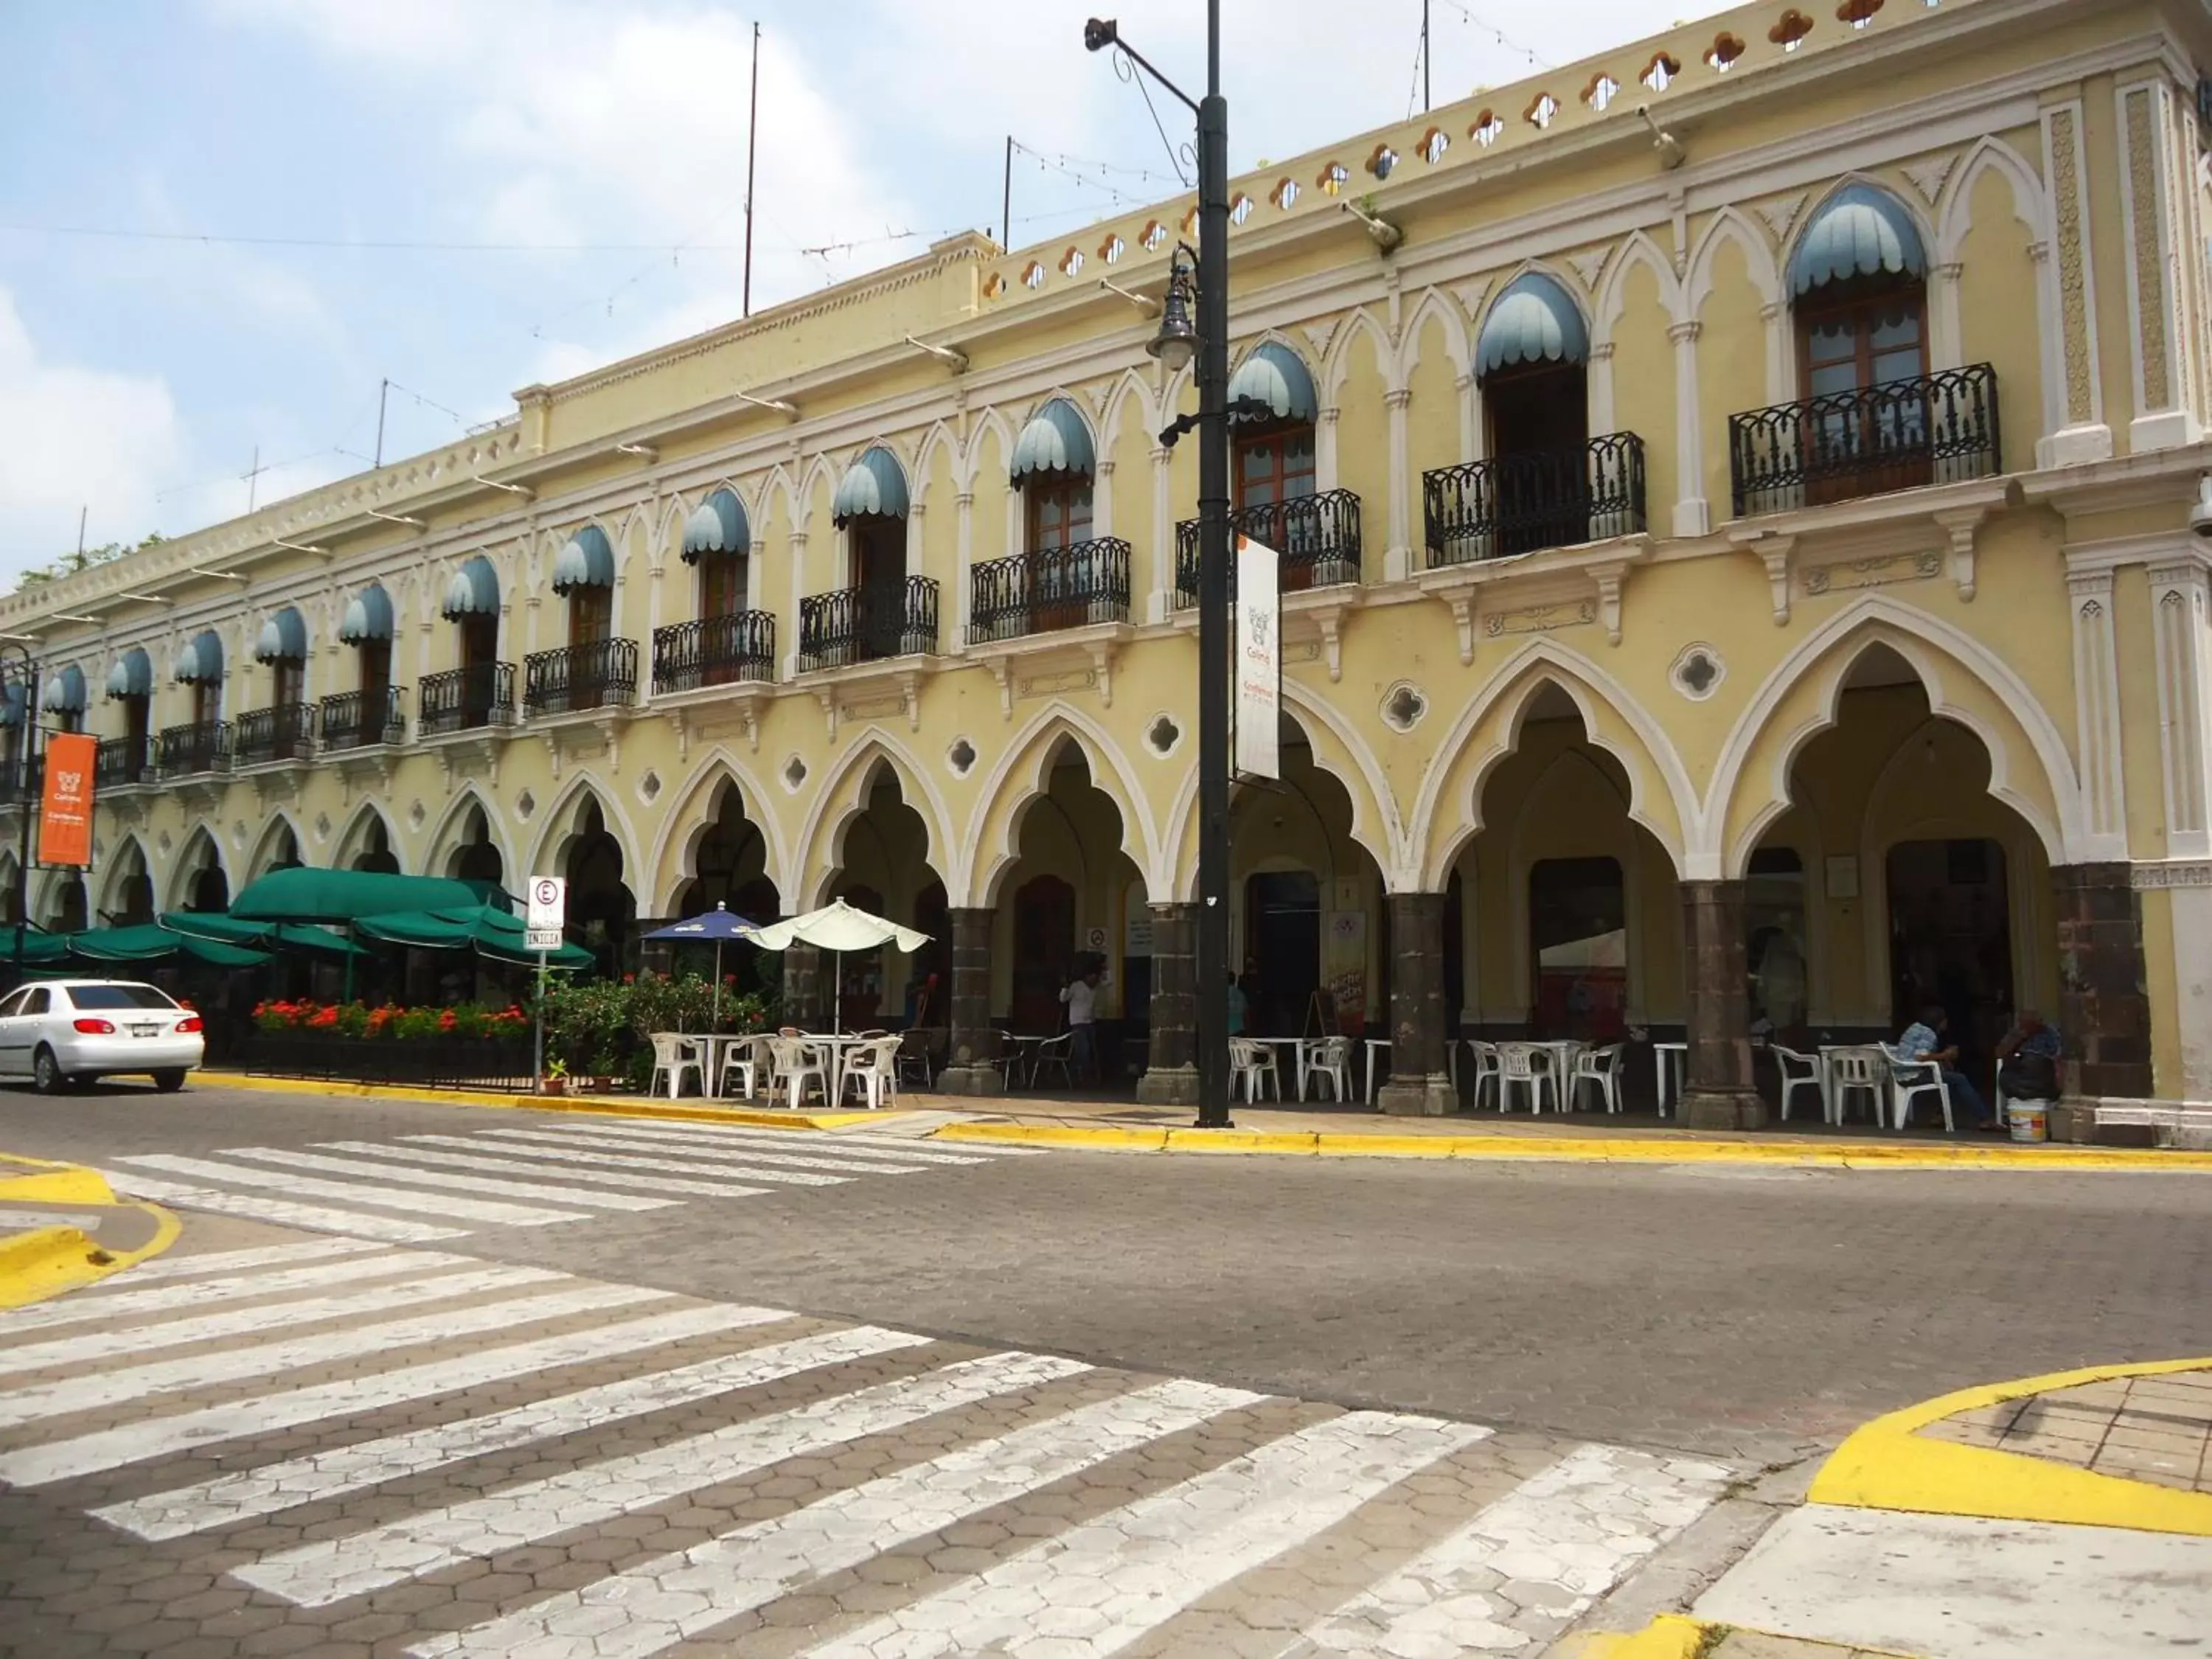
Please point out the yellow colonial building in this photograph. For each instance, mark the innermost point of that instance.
(1742, 501)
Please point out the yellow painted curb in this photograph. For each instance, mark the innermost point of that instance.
(1669, 1636)
(36, 1264)
(51, 1183)
(584, 1105)
(1575, 1149)
(1888, 1465)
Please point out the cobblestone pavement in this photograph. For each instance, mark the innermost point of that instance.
(1748, 1315)
(333, 1447)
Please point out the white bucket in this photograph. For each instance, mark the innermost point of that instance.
(2030, 1120)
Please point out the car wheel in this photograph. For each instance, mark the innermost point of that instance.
(47, 1075)
(170, 1081)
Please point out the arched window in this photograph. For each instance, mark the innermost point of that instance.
(65, 697)
(130, 683)
(870, 507)
(479, 696)
(1858, 283)
(283, 646)
(1271, 456)
(1532, 359)
(1053, 466)
(199, 666)
(367, 627)
(584, 575)
(718, 538)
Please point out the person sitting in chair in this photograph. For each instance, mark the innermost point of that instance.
(2029, 1060)
(1922, 1041)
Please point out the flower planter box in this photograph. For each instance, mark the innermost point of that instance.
(498, 1063)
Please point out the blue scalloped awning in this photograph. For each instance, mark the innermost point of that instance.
(132, 675)
(1278, 377)
(586, 560)
(1534, 321)
(474, 590)
(875, 483)
(1056, 440)
(65, 692)
(368, 616)
(12, 699)
(284, 638)
(1860, 232)
(200, 662)
(718, 526)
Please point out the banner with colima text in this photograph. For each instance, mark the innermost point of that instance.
(66, 806)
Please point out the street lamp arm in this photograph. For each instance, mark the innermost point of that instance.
(1101, 32)
(1236, 409)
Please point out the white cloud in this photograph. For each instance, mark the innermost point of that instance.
(72, 436)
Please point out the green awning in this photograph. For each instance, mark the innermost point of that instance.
(478, 927)
(586, 560)
(200, 661)
(875, 484)
(150, 942)
(40, 948)
(345, 895)
(1860, 231)
(284, 638)
(1534, 321)
(719, 525)
(1056, 441)
(1278, 378)
(367, 616)
(132, 675)
(301, 937)
(474, 589)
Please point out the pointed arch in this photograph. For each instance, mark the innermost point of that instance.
(820, 476)
(353, 843)
(777, 486)
(557, 827)
(130, 862)
(940, 437)
(695, 813)
(267, 846)
(202, 851)
(1128, 388)
(1024, 773)
(1611, 298)
(990, 423)
(844, 796)
(445, 837)
(1906, 201)
(1953, 211)
(1459, 335)
(2031, 769)
(1761, 259)
(1488, 729)
(1337, 364)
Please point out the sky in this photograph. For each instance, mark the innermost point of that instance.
(223, 223)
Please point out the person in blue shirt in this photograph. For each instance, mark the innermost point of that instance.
(2029, 1060)
(1236, 1008)
(1923, 1040)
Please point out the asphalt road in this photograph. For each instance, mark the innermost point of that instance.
(1749, 1313)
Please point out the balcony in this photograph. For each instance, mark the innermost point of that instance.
(362, 720)
(283, 733)
(119, 762)
(1516, 504)
(21, 780)
(181, 751)
(1316, 537)
(714, 651)
(1049, 591)
(863, 624)
(465, 699)
(1931, 429)
(572, 678)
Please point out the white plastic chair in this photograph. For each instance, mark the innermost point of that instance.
(740, 1059)
(794, 1060)
(871, 1071)
(673, 1056)
(1857, 1071)
(1486, 1069)
(1909, 1078)
(1602, 1068)
(1526, 1066)
(1328, 1059)
(1247, 1063)
(1798, 1072)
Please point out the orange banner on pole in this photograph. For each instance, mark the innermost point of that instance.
(65, 810)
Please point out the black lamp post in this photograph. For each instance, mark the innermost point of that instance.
(27, 729)
(1180, 338)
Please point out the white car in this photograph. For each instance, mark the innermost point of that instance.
(60, 1032)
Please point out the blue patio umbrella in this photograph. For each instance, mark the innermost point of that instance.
(718, 926)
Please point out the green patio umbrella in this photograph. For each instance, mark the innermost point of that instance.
(345, 898)
(304, 937)
(40, 948)
(480, 928)
(150, 942)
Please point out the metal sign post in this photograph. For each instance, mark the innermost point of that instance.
(543, 916)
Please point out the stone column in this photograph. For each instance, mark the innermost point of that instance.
(1419, 1085)
(1718, 1093)
(2103, 1015)
(805, 995)
(965, 1073)
(1170, 1076)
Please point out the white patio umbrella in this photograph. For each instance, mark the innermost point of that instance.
(838, 927)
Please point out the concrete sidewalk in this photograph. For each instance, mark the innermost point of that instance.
(2042, 1519)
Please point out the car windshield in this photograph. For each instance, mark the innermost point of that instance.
(119, 996)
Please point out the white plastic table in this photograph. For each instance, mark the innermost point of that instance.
(1668, 1061)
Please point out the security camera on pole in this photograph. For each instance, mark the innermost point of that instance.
(545, 914)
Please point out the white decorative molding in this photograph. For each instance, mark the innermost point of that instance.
(1779, 215)
(2097, 712)
(2180, 599)
(1588, 265)
(2157, 874)
(1928, 175)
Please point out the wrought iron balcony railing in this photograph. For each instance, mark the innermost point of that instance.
(362, 720)
(714, 651)
(1317, 538)
(1932, 428)
(597, 674)
(283, 733)
(867, 624)
(119, 762)
(202, 746)
(21, 778)
(464, 699)
(1043, 592)
(1547, 498)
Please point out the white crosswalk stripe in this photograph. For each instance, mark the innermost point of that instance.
(245, 1174)
(846, 1146)
(467, 1183)
(786, 1154)
(627, 1151)
(194, 1264)
(284, 1212)
(905, 1502)
(316, 1575)
(520, 1161)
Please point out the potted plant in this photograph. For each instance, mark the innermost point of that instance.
(555, 1080)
